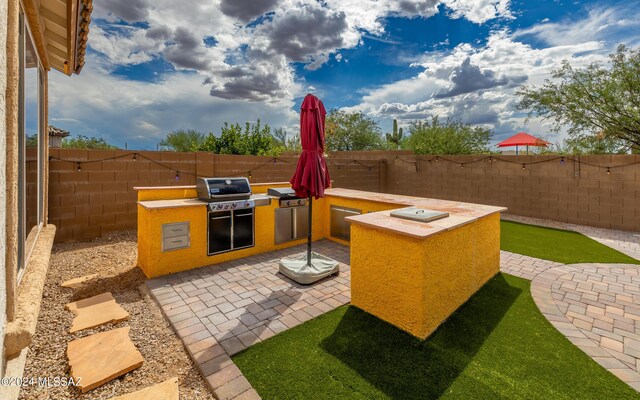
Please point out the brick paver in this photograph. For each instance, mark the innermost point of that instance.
(222, 309)
(523, 266)
(597, 307)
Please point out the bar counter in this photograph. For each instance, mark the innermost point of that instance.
(411, 274)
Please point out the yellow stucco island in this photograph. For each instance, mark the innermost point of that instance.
(411, 274)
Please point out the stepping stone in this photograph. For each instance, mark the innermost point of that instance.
(99, 358)
(96, 311)
(90, 301)
(77, 282)
(167, 390)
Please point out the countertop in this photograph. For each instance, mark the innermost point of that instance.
(459, 213)
(177, 203)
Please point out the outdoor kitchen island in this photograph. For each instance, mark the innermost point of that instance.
(409, 273)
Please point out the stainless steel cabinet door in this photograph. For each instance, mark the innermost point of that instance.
(300, 222)
(283, 225)
(340, 228)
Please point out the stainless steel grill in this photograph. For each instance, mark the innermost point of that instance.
(287, 197)
(223, 189)
(231, 217)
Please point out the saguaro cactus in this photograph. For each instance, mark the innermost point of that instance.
(396, 136)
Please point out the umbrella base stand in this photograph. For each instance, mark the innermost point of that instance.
(298, 270)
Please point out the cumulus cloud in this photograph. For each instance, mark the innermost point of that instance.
(247, 10)
(260, 54)
(477, 84)
(258, 81)
(468, 78)
(258, 47)
(127, 10)
(187, 50)
(304, 33)
(142, 113)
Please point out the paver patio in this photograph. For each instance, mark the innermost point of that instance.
(220, 310)
(597, 307)
(523, 266)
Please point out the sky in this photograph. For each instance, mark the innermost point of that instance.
(155, 66)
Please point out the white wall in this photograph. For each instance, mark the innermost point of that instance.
(3, 177)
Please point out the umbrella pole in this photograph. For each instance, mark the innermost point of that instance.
(309, 235)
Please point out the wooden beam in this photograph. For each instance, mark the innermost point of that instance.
(53, 17)
(32, 11)
(57, 52)
(54, 37)
(72, 29)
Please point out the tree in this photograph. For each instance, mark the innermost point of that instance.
(595, 144)
(396, 136)
(285, 143)
(181, 140)
(32, 141)
(351, 131)
(85, 142)
(592, 100)
(255, 140)
(449, 137)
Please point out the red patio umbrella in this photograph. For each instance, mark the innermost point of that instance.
(523, 139)
(312, 176)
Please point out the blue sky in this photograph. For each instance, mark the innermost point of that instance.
(161, 65)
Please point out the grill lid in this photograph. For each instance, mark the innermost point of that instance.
(282, 193)
(212, 189)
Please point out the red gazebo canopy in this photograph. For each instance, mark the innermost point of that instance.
(523, 139)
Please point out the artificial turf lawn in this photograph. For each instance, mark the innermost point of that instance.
(557, 245)
(496, 346)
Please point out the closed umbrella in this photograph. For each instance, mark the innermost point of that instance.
(310, 180)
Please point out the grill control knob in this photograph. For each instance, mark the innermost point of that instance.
(300, 201)
(219, 206)
(288, 203)
(233, 205)
(247, 204)
(226, 206)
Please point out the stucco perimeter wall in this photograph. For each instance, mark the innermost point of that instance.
(100, 198)
(577, 191)
(3, 176)
(418, 283)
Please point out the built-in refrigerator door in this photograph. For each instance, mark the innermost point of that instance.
(219, 232)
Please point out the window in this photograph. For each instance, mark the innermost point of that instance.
(30, 145)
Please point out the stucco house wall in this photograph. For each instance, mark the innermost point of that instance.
(3, 177)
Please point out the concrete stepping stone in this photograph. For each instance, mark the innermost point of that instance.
(95, 311)
(167, 390)
(77, 282)
(99, 358)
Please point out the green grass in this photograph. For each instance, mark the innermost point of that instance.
(496, 346)
(557, 245)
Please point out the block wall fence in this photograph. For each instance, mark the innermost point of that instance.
(100, 198)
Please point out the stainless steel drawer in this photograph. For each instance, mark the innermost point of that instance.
(175, 236)
(341, 228)
(175, 229)
(175, 243)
